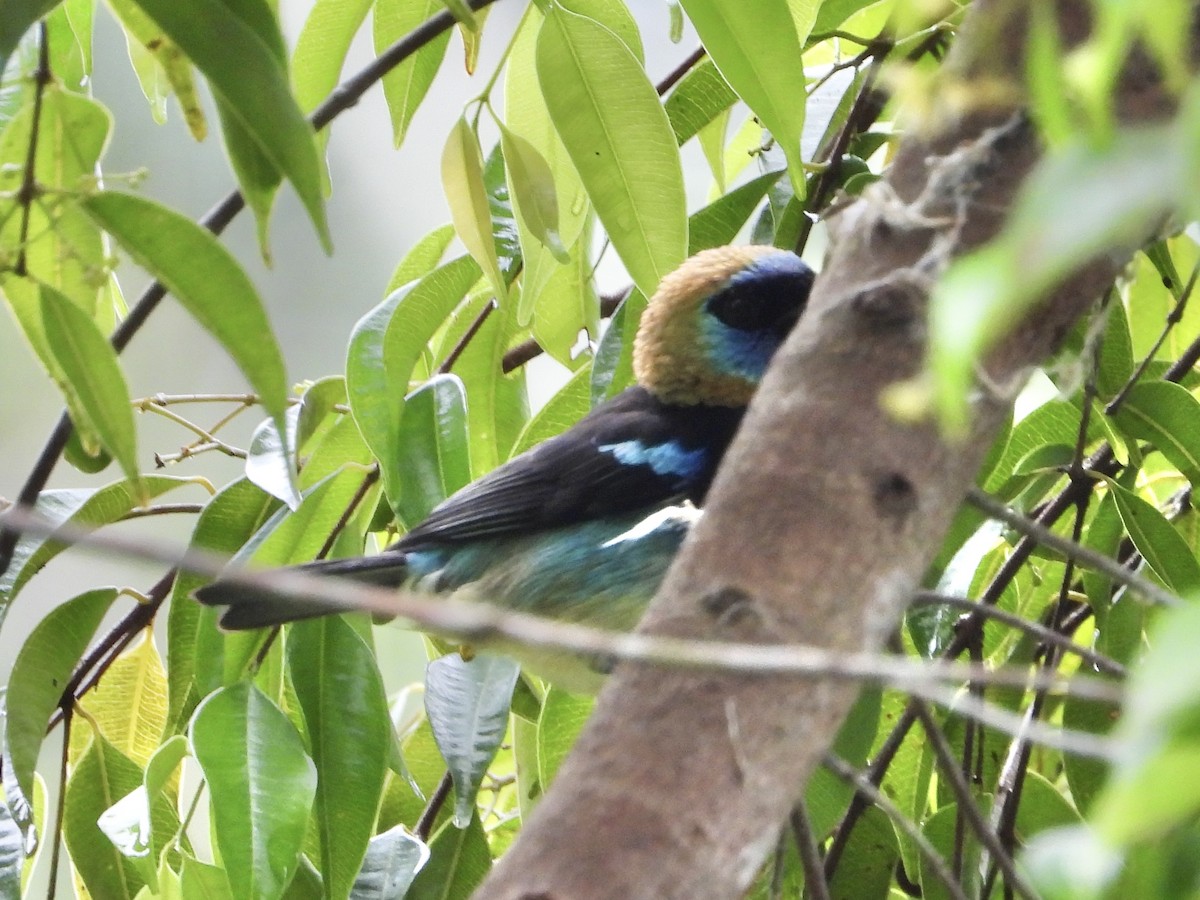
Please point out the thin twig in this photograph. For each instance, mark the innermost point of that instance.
(67, 708)
(1036, 630)
(1071, 549)
(673, 77)
(28, 191)
(452, 357)
(424, 827)
(810, 857)
(949, 768)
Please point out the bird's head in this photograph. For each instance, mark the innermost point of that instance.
(714, 323)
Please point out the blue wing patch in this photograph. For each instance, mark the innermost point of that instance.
(667, 459)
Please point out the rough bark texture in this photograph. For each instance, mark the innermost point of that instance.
(822, 520)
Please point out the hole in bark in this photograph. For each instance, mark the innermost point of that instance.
(895, 496)
(730, 606)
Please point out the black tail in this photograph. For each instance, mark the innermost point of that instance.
(250, 607)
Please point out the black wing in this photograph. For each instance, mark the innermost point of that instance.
(631, 452)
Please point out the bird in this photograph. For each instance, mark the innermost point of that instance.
(583, 527)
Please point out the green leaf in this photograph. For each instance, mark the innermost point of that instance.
(393, 860)
(40, 673)
(719, 223)
(384, 348)
(322, 46)
(82, 508)
(422, 258)
(567, 305)
(156, 57)
(610, 120)
(62, 247)
(757, 55)
(269, 462)
(458, 861)
(93, 384)
(467, 704)
(101, 777)
(569, 404)
(262, 785)
(433, 433)
(699, 98)
(1164, 550)
(612, 369)
(531, 184)
(205, 278)
(237, 52)
(462, 181)
(195, 645)
(19, 16)
(827, 796)
(405, 86)
(346, 715)
(865, 869)
(1168, 417)
(561, 720)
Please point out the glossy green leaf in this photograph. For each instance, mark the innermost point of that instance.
(562, 719)
(1052, 424)
(750, 52)
(258, 177)
(614, 128)
(384, 348)
(467, 704)
(237, 52)
(459, 860)
(500, 210)
(82, 508)
(1168, 417)
(346, 715)
(614, 15)
(433, 433)
(406, 85)
(262, 785)
(699, 98)
(719, 223)
(1167, 554)
(612, 368)
(195, 646)
(101, 776)
(40, 673)
(269, 462)
(93, 384)
(205, 278)
(393, 859)
(462, 181)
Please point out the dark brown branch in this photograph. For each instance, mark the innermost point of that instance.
(27, 193)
